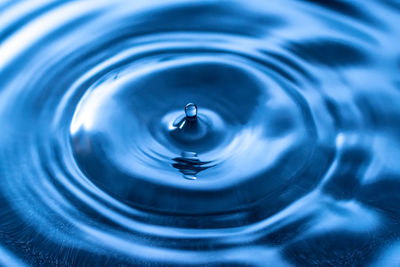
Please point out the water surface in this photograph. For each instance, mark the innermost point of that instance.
(292, 158)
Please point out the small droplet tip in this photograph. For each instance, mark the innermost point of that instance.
(191, 110)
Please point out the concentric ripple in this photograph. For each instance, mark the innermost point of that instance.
(291, 159)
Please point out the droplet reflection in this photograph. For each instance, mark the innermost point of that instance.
(190, 165)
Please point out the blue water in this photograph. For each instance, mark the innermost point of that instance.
(292, 159)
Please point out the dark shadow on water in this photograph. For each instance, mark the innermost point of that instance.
(328, 52)
(346, 180)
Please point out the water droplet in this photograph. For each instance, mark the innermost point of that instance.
(191, 111)
(190, 128)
